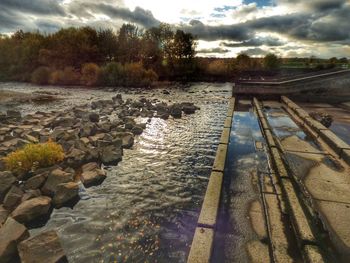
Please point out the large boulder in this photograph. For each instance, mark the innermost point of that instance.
(75, 157)
(92, 174)
(111, 155)
(55, 178)
(45, 247)
(32, 209)
(35, 182)
(6, 181)
(65, 192)
(13, 197)
(4, 213)
(11, 234)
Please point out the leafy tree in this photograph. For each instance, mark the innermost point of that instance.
(243, 62)
(90, 74)
(271, 62)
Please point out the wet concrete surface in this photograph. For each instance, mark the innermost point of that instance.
(325, 178)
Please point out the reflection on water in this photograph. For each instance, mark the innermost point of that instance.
(147, 208)
(243, 163)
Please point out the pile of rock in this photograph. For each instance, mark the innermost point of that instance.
(91, 135)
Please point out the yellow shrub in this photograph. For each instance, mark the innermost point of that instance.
(33, 156)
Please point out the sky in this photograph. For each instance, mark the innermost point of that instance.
(224, 28)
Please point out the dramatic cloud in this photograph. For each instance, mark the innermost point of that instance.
(256, 42)
(234, 26)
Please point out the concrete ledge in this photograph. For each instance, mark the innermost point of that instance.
(345, 155)
(279, 165)
(300, 222)
(210, 207)
(220, 158)
(228, 122)
(202, 246)
(312, 254)
(264, 123)
(231, 107)
(225, 136)
(315, 125)
(334, 141)
(269, 138)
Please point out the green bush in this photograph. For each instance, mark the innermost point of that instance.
(41, 76)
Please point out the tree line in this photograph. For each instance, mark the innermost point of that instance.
(128, 57)
(87, 56)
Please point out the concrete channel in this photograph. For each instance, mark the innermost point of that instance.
(303, 205)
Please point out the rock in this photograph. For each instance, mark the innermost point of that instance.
(176, 111)
(13, 197)
(65, 193)
(137, 130)
(35, 182)
(3, 215)
(32, 209)
(11, 234)
(29, 194)
(45, 247)
(14, 114)
(55, 178)
(6, 181)
(75, 157)
(63, 122)
(166, 92)
(111, 155)
(127, 139)
(188, 108)
(30, 138)
(88, 129)
(92, 175)
(94, 117)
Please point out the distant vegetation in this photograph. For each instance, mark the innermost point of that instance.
(129, 57)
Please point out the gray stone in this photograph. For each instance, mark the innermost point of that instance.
(137, 130)
(92, 174)
(75, 157)
(65, 193)
(55, 178)
(11, 234)
(14, 114)
(35, 182)
(111, 155)
(29, 194)
(32, 209)
(127, 139)
(6, 181)
(94, 117)
(13, 197)
(4, 213)
(63, 122)
(45, 247)
(176, 111)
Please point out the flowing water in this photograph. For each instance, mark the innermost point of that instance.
(147, 208)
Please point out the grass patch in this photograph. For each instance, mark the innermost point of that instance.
(33, 156)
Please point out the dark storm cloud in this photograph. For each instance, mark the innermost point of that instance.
(254, 52)
(139, 15)
(213, 50)
(316, 5)
(212, 33)
(33, 6)
(256, 42)
(332, 26)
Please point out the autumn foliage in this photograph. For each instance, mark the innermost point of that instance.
(33, 156)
